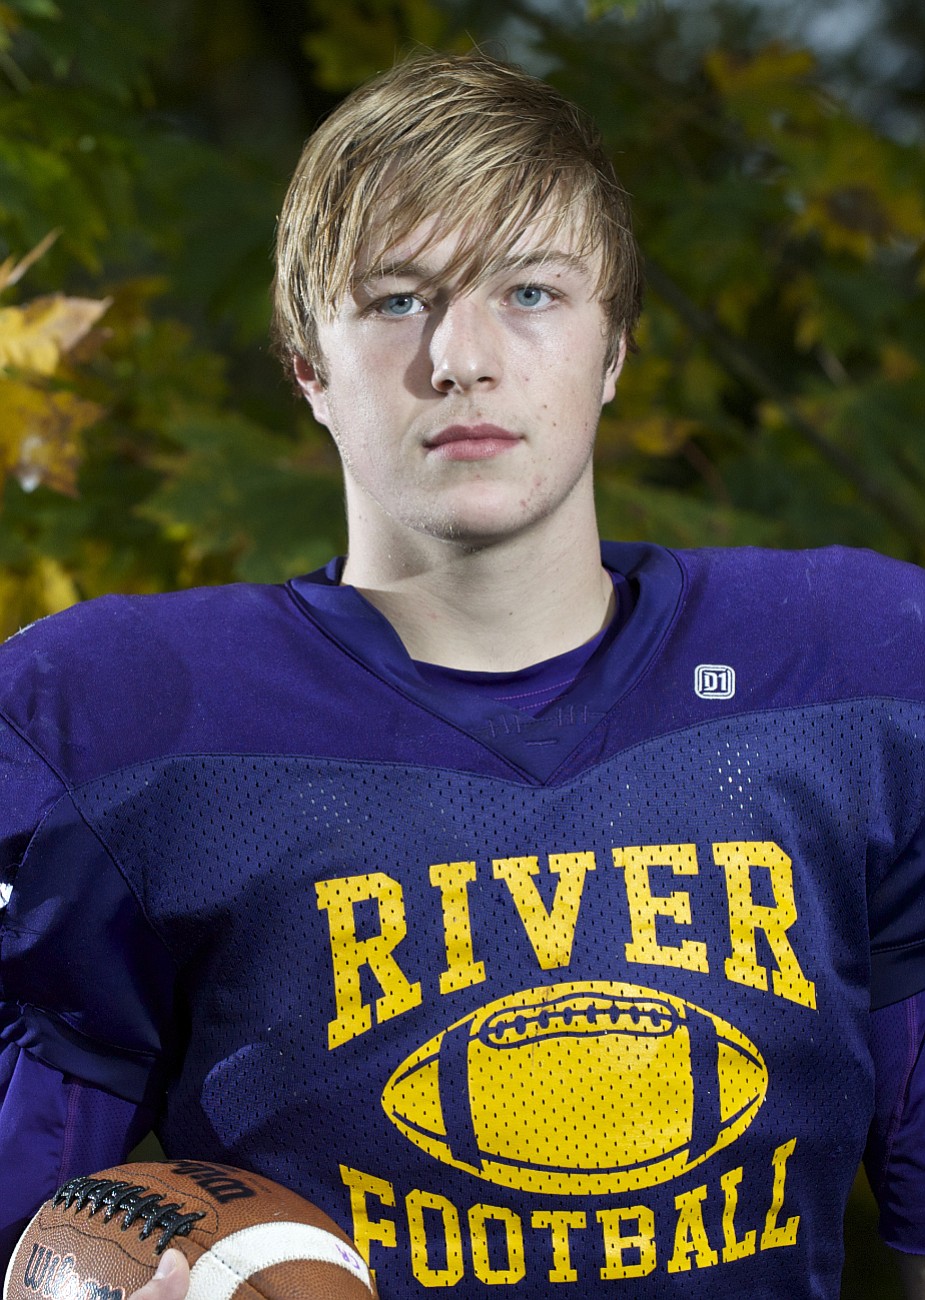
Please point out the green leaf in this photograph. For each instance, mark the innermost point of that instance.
(352, 42)
(596, 9)
(241, 492)
(629, 510)
(31, 8)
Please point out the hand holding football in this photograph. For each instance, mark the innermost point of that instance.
(170, 1282)
(245, 1238)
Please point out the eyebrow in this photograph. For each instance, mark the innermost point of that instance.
(414, 270)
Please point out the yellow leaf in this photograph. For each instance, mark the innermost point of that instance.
(898, 363)
(662, 435)
(21, 407)
(25, 347)
(40, 435)
(351, 41)
(56, 586)
(644, 381)
(17, 604)
(598, 8)
(774, 65)
(8, 24)
(44, 587)
(801, 296)
(735, 301)
(818, 218)
(34, 337)
(771, 416)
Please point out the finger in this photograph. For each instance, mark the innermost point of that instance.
(170, 1282)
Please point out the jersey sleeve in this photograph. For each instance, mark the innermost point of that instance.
(895, 1156)
(85, 984)
(897, 926)
(53, 1127)
(86, 993)
(28, 788)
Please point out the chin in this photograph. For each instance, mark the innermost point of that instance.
(480, 531)
(493, 514)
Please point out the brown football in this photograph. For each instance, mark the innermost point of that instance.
(100, 1238)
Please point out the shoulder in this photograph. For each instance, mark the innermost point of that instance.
(829, 583)
(851, 620)
(167, 615)
(113, 673)
(844, 588)
(836, 622)
(119, 640)
(824, 571)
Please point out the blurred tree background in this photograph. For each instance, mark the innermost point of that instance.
(774, 152)
(147, 439)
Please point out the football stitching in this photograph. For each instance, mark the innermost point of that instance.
(134, 1201)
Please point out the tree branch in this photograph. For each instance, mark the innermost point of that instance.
(738, 361)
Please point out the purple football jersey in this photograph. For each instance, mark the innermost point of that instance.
(520, 998)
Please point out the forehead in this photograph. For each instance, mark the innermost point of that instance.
(469, 253)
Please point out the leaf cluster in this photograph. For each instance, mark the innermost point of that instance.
(146, 441)
(780, 376)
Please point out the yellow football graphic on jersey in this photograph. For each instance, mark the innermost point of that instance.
(579, 1088)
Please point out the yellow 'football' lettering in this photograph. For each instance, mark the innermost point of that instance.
(444, 1239)
(558, 1222)
(773, 1235)
(514, 1236)
(690, 1237)
(416, 1202)
(367, 1230)
(734, 1248)
(645, 906)
(616, 1242)
(551, 933)
(746, 917)
(462, 970)
(349, 954)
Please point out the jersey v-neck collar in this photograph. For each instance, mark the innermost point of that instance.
(539, 685)
(535, 748)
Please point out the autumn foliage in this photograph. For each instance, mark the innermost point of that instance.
(146, 438)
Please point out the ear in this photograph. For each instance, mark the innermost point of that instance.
(612, 373)
(313, 390)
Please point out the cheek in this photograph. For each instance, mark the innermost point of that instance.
(363, 426)
(571, 405)
(567, 375)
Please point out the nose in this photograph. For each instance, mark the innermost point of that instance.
(464, 347)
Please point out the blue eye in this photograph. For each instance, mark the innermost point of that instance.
(400, 304)
(531, 295)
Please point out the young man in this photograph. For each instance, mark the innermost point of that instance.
(521, 907)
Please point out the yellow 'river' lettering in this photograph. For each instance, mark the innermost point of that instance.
(350, 954)
(551, 933)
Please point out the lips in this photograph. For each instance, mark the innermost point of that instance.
(471, 441)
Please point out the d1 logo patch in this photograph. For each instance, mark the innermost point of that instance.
(579, 1088)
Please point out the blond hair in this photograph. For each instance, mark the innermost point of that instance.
(474, 142)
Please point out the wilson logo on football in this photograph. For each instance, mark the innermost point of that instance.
(48, 1274)
(663, 1085)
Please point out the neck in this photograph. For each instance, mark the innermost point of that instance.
(493, 608)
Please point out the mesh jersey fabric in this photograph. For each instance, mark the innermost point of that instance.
(520, 1001)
